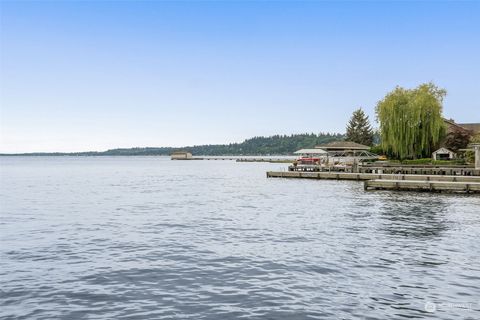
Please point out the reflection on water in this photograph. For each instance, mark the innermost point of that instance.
(145, 237)
(416, 216)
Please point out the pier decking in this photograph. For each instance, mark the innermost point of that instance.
(459, 170)
(396, 169)
(368, 176)
(432, 186)
(375, 181)
(270, 160)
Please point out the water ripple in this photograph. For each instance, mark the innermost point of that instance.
(149, 238)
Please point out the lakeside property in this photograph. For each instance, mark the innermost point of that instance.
(412, 128)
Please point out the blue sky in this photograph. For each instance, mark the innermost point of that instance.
(94, 75)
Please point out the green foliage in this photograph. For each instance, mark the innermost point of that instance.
(376, 149)
(418, 161)
(449, 162)
(434, 162)
(475, 138)
(359, 129)
(470, 155)
(274, 145)
(458, 139)
(411, 122)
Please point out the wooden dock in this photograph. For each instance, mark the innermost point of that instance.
(431, 186)
(270, 160)
(369, 176)
(458, 170)
(410, 182)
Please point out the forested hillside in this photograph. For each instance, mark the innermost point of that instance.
(274, 145)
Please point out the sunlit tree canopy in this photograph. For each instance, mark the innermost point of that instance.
(411, 122)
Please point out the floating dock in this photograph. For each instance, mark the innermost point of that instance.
(431, 186)
(270, 160)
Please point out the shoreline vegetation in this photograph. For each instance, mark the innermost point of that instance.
(256, 146)
(411, 128)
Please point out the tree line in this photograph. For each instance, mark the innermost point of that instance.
(262, 146)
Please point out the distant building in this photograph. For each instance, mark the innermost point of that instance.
(317, 152)
(443, 154)
(347, 151)
(342, 146)
(181, 155)
(472, 128)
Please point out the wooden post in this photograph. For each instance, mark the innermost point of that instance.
(476, 146)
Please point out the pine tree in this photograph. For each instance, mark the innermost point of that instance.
(359, 129)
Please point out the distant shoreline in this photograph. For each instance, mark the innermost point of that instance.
(136, 155)
(277, 145)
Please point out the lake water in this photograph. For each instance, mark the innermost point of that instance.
(150, 238)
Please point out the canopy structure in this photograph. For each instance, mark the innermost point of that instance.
(343, 146)
(312, 152)
(347, 151)
(358, 154)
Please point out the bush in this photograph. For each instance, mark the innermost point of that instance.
(418, 161)
(377, 150)
(449, 162)
(434, 162)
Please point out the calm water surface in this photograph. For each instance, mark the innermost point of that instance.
(150, 238)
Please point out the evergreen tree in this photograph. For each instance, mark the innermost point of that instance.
(359, 129)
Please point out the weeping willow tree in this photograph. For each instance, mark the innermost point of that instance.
(411, 122)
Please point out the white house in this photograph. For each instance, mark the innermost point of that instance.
(443, 154)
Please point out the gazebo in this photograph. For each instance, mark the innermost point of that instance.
(312, 152)
(348, 151)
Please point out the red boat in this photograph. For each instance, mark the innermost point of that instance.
(308, 160)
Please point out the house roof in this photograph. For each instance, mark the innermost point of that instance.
(475, 127)
(311, 151)
(344, 145)
(443, 150)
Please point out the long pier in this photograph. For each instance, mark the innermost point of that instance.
(269, 160)
(432, 186)
(376, 181)
(459, 170)
(396, 169)
(368, 176)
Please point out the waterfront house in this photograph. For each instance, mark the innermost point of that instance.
(472, 128)
(181, 155)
